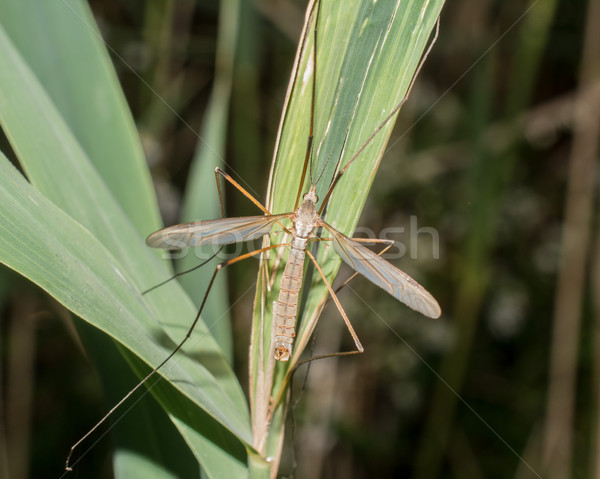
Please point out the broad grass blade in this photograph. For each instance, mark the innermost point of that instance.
(149, 326)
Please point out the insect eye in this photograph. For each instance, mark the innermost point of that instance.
(311, 196)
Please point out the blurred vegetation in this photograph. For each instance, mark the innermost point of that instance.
(490, 150)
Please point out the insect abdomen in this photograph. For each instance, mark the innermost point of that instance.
(286, 307)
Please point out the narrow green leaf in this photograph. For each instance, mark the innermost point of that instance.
(42, 243)
(394, 36)
(69, 58)
(57, 166)
(201, 199)
(147, 443)
(367, 53)
(259, 467)
(56, 159)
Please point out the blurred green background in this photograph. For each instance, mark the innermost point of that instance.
(493, 158)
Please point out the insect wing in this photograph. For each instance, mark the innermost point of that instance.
(377, 270)
(216, 232)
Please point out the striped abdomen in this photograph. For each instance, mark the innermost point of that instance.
(285, 308)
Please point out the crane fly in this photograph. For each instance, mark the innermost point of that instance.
(305, 221)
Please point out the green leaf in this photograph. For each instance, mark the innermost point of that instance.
(44, 244)
(69, 58)
(146, 440)
(149, 326)
(367, 53)
(382, 54)
(201, 199)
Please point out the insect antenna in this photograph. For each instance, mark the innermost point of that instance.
(329, 159)
(308, 156)
(324, 203)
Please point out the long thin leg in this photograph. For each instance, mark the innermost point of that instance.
(387, 242)
(326, 356)
(219, 267)
(219, 171)
(337, 303)
(181, 273)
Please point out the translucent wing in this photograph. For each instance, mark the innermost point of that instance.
(383, 274)
(217, 232)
